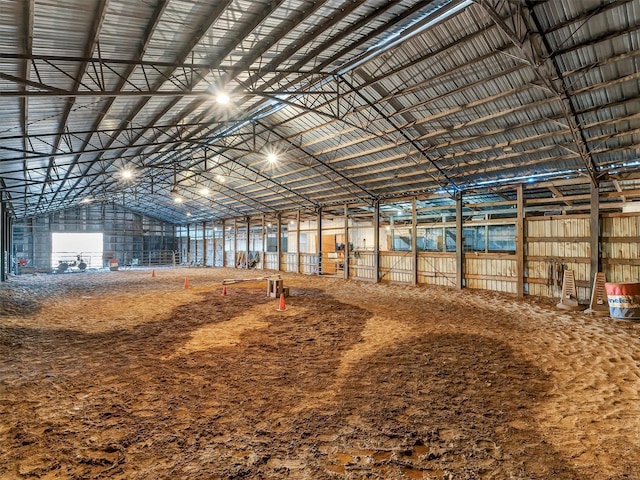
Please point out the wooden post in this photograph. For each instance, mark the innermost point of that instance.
(319, 239)
(520, 242)
(346, 244)
(224, 246)
(279, 240)
(414, 242)
(459, 243)
(376, 241)
(298, 241)
(594, 232)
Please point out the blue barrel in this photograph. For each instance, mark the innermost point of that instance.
(624, 300)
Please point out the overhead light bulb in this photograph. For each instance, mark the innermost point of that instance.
(126, 174)
(177, 199)
(220, 178)
(205, 191)
(222, 98)
(272, 157)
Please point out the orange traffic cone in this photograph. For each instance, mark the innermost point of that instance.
(282, 306)
(224, 291)
(186, 283)
(153, 274)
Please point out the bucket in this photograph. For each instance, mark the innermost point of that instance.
(113, 264)
(624, 300)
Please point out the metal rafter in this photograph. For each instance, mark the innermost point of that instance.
(256, 54)
(315, 162)
(535, 54)
(26, 70)
(228, 50)
(312, 35)
(213, 16)
(92, 41)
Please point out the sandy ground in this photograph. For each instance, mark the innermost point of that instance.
(121, 375)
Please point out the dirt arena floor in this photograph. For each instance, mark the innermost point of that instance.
(118, 375)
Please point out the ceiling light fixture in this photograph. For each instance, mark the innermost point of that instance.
(222, 98)
(220, 178)
(272, 158)
(205, 191)
(126, 174)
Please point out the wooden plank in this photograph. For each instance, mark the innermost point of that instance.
(621, 239)
(544, 281)
(544, 258)
(554, 238)
(556, 217)
(539, 201)
(621, 261)
(478, 276)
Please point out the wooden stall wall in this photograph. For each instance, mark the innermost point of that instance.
(309, 263)
(621, 247)
(271, 260)
(554, 244)
(396, 267)
(361, 265)
(491, 271)
(289, 262)
(437, 269)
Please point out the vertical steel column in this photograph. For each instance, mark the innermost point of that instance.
(414, 242)
(3, 239)
(520, 241)
(279, 240)
(224, 245)
(195, 236)
(376, 241)
(213, 246)
(345, 249)
(298, 241)
(188, 245)
(459, 243)
(594, 240)
(319, 240)
(235, 243)
(248, 241)
(204, 243)
(264, 244)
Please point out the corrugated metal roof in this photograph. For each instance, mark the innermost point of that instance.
(362, 101)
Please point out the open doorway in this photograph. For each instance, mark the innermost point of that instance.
(76, 251)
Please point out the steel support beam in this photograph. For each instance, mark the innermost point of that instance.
(534, 48)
